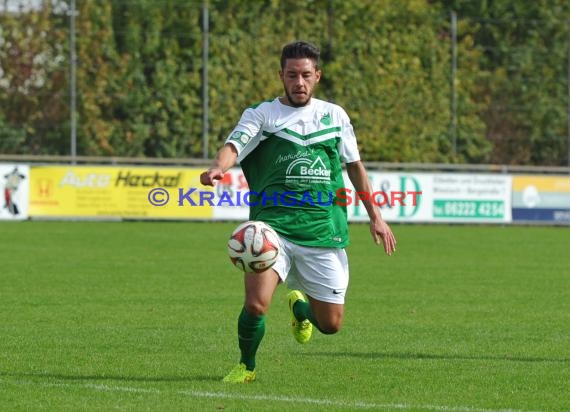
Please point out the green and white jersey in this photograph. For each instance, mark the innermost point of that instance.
(291, 158)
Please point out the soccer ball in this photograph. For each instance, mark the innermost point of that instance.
(253, 247)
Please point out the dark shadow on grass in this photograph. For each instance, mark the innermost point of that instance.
(429, 356)
(58, 376)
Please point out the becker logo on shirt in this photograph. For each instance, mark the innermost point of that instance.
(308, 170)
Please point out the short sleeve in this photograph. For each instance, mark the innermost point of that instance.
(347, 147)
(245, 136)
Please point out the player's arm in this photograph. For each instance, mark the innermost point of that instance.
(243, 137)
(378, 227)
(225, 159)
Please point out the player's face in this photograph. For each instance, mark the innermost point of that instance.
(299, 76)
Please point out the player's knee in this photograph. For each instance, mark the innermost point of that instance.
(328, 318)
(330, 326)
(256, 308)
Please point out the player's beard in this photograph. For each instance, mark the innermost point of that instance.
(294, 104)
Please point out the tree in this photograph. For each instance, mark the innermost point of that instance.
(386, 61)
(524, 80)
(32, 83)
(160, 109)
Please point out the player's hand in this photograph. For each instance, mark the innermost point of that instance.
(381, 232)
(209, 177)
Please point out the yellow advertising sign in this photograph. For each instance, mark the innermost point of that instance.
(542, 183)
(117, 192)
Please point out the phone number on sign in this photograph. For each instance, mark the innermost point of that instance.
(469, 208)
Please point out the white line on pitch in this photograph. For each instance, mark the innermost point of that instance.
(271, 398)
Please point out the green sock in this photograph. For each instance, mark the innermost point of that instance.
(302, 310)
(250, 332)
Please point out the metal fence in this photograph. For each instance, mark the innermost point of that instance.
(204, 162)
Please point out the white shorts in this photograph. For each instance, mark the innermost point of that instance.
(322, 273)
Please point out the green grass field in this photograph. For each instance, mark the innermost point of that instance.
(142, 316)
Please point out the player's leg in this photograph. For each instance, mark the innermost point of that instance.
(323, 275)
(7, 198)
(259, 289)
(327, 316)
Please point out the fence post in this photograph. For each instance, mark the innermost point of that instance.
(205, 103)
(72, 84)
(568, 85)
(453, 77)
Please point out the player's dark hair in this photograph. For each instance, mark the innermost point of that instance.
(300, 50)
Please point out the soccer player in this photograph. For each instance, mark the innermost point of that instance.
(296, 144)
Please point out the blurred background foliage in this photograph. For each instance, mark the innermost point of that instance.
(387, 62)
